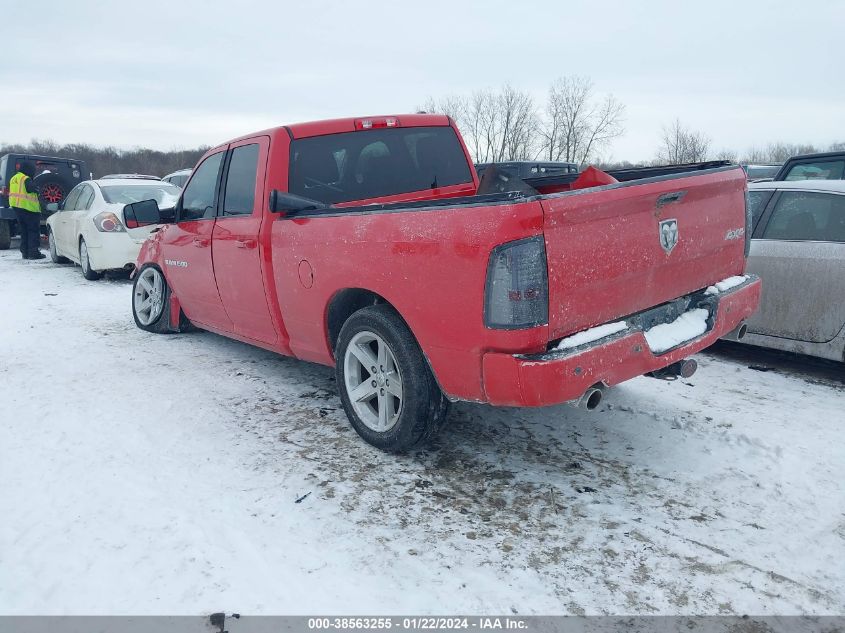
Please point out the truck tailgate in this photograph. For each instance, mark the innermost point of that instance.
(612, 250)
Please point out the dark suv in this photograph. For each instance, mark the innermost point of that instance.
(54, 177)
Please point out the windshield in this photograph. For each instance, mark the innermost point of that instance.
(828, 170)
(762, 171)
(164, 194)
(369, 164)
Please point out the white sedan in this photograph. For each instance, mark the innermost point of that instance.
(87, 230)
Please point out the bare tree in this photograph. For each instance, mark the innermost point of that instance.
(453, 106)
(682, 145)
(726, 154)
(778, 152)
(497, 126)
(576, 125)
(518, 124)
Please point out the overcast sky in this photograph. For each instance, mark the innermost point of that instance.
(180, 74)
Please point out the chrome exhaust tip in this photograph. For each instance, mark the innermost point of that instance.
(590, 399)
(738, 333)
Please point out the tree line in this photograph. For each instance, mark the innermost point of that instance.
(680, 144)
(110, 160)
(575, 124)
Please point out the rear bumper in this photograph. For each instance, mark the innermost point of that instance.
(112, 251)
(561, 376)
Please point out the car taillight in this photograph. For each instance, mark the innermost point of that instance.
(107, 222)
(517, 289)
(749, 226)
(369, 124)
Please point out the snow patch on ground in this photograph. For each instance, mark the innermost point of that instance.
(686, 327)
(726, 284)
(148, 474)
(591, 335)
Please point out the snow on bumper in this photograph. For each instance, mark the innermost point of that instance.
(564, 374)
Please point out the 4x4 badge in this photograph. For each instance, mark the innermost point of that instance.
(668, 235)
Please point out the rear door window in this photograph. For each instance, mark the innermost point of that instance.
(86, 197)
(807, 216)
(367, 164)
(70, 202)
(240, 181)
(829, 170)
(757, 201)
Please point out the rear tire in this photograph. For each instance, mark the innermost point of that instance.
(54, 254)
(85, 262)
(374, 348)
(5, 235)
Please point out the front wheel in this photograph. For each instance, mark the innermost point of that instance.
(150, 297)
(387, 389)
(89, 273)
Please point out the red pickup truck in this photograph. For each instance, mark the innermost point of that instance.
(369, 245)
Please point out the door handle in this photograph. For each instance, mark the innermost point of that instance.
(248, 243)
(669, 198)
(200, 242)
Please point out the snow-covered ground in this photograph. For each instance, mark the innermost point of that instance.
(190, 474)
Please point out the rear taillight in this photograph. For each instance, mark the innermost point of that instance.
(749, 226)
(107, 222)
(517, 290)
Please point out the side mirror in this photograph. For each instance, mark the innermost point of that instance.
(142, 213)
(289, 204)
(53, 207)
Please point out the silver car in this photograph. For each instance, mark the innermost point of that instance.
(798, 249)
(178, 178)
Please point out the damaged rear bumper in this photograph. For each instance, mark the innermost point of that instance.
(561, 375)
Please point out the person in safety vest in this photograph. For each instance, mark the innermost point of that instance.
(23, 197)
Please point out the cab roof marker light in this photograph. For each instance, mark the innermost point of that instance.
(370, 124)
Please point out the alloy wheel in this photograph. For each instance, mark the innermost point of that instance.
(148, 299)
(372, 381)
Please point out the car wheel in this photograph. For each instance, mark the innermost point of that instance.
(5, 235)
(54, 253)
(150, 299)
(85, 262)
(386, 386)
